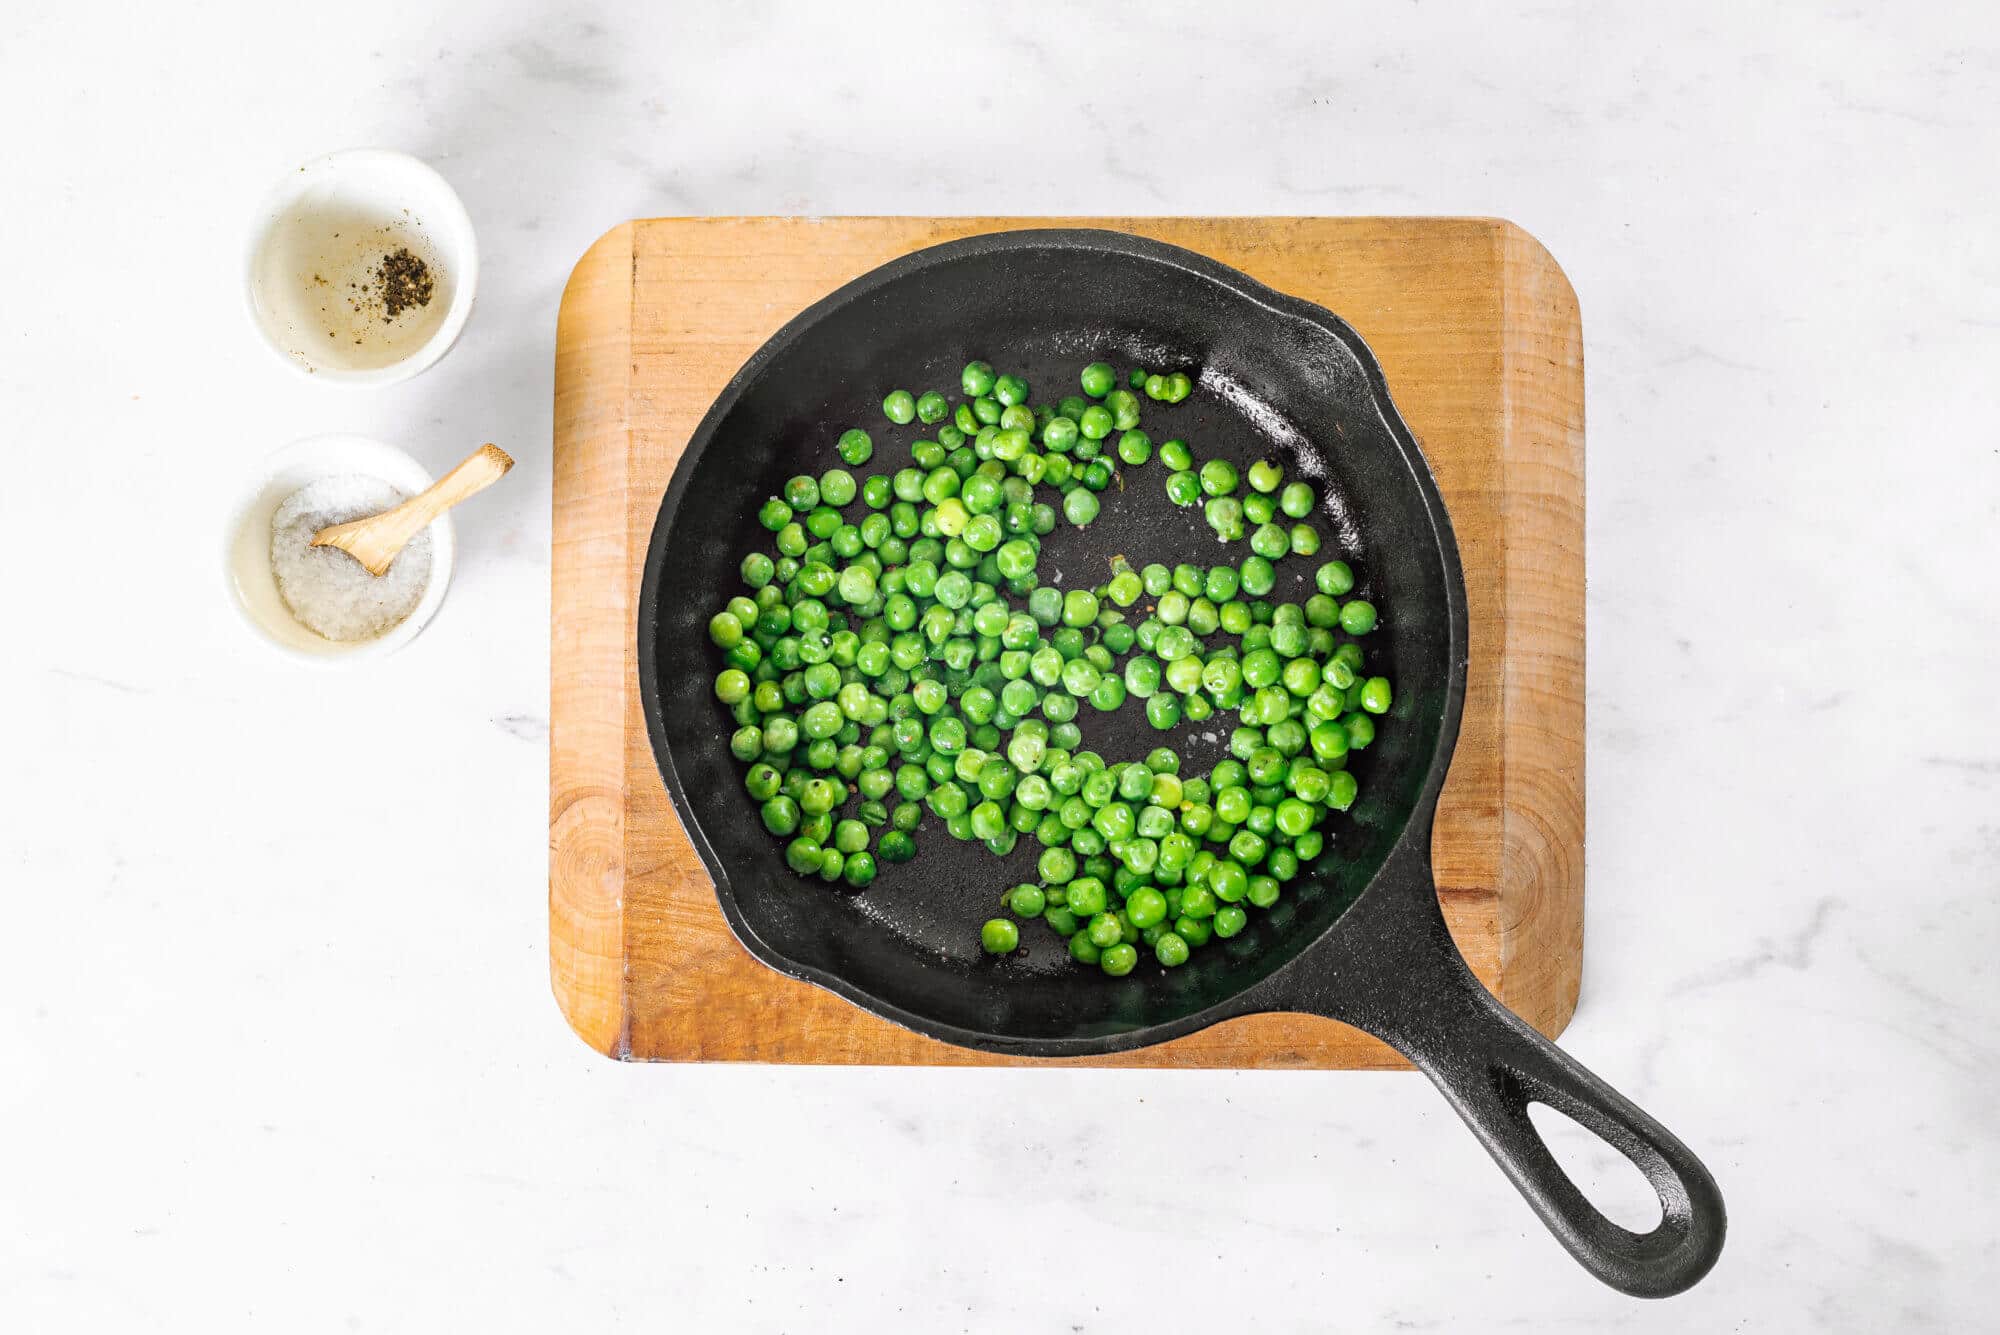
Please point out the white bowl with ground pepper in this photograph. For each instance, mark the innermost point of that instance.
(318, 604)
(361, 267)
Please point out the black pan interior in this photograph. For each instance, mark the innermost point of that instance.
(1275, 378)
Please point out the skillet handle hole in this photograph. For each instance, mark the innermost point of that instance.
(1613, 1184)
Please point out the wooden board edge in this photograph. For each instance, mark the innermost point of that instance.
(1542, 704)
(589, 619)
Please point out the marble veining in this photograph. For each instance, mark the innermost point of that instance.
(278, 1046)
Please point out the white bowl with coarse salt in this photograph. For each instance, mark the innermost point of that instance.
(317, 604)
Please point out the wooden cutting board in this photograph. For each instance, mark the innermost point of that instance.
(1477, 331)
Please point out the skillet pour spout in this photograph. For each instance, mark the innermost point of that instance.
(1359, 935)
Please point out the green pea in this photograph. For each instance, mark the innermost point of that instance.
(1124, 407)
(850, 836)
(802, 855)
(1171, 949)
(998, 936)
(1257, 576)
(725, 630)
(1310, 784)
(1096, 422)
(1060, 919)
(1081, 676)
(1265, 475)
(1357, 617)
(1146, 906)
(1057, 866)
(899, 407)
(1295, 816)
(1297, 500)
(1176, 455)
(1270, 542)
(976, 379)
(731, 685)
(780, 815)
(856, 447)
(983, 533)
(1334, 578)
(1027, 901)
(1087, 896)
(1376, 695)
(1118, 960)
(988, 820)
(1010, 390)
(932, 407)
(1108, 693)
(1227, 882)
(1080, 507)
(1218, 477)
(1135, 447)
(1104, 930)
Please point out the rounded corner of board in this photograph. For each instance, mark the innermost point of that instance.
(1523, 249)
(597, 1021)
(610, 253)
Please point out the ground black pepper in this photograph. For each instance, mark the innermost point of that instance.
(403, 283)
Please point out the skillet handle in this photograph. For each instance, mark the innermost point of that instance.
(1491, 1065)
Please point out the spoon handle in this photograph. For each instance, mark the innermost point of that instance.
(376, 540)
(474, 474)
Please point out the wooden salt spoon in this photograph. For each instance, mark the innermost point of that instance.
(374, 541)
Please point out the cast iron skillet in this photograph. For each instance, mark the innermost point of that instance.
(1358, 937)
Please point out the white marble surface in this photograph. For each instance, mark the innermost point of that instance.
(276, 1036)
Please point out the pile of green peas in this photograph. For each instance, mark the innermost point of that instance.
(1269, 500)
(907, 659)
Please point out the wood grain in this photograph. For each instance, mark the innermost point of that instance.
(1478, 335)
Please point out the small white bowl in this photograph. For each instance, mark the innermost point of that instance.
(253, 589)
(312, 253)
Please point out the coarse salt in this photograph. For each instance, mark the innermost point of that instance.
(324, 588)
